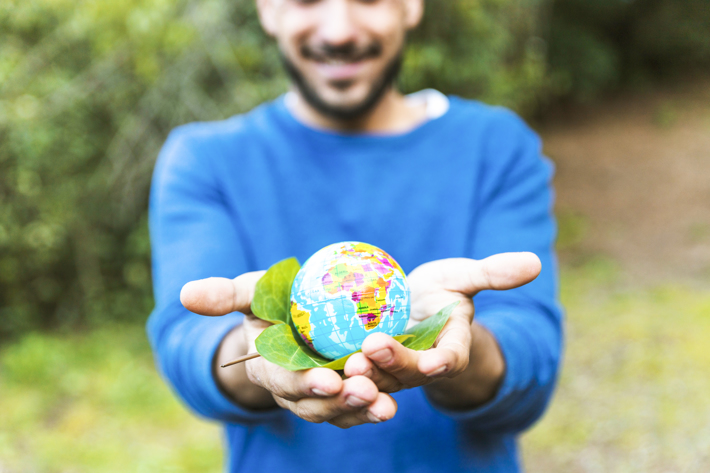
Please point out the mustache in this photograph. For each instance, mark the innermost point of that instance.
(348, 52)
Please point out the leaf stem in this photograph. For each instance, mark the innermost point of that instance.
(241, 359)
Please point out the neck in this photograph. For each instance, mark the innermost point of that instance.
(392, 114)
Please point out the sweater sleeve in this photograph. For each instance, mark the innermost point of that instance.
(514, 202)
(193, 236)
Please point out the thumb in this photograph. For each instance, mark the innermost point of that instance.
(498, 272)
(220, 296)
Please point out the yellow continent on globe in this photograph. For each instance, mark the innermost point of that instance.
(301, 319)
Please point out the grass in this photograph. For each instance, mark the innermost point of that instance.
(93, 402)
(632, 395)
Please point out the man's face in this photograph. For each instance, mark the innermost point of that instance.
(341, 54)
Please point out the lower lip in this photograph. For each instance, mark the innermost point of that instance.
(339, 71)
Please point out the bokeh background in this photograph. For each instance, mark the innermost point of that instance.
(89, 89)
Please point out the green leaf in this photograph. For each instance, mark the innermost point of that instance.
(403, 337)
(339, 364)
(273, 291)
(278, 345)
(426, 331)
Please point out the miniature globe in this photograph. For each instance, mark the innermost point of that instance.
(345, 292)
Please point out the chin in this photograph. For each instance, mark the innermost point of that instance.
(344, 101)
(347, 105)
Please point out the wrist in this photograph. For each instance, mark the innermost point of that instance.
(488, 359)
(233, 380)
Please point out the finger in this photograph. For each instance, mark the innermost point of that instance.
(451, 353)
(294, 385)
(220, 296)
(392, 357)
(499, 272)
(360, 365)
(383, 409)
(358, 393)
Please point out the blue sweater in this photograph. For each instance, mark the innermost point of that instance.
(241, 194)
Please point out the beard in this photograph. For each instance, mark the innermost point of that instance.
(343, 112)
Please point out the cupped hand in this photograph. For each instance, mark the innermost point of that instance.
(435, 285)
(316, 395)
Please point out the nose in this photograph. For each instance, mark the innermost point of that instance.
(337, 25)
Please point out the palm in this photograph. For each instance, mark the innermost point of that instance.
(435, 285)
(431, 290)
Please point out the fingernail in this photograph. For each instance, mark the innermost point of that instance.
(354, 401)
(382, 356)
(438, 371)
(369, 373)
(373, 418)
(318, 392)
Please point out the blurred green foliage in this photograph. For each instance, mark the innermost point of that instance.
(89, 89)
(491, 50)
(602, 45)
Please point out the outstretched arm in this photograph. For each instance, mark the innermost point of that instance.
(193, 236)
(512, 213)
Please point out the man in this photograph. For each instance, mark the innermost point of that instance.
(456, 189)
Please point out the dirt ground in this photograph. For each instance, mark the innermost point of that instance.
(633, 182)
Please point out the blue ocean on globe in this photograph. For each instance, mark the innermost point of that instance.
(345, 292)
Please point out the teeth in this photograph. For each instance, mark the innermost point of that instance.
(338, 62)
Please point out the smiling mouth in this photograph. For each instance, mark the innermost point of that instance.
(341, 55)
